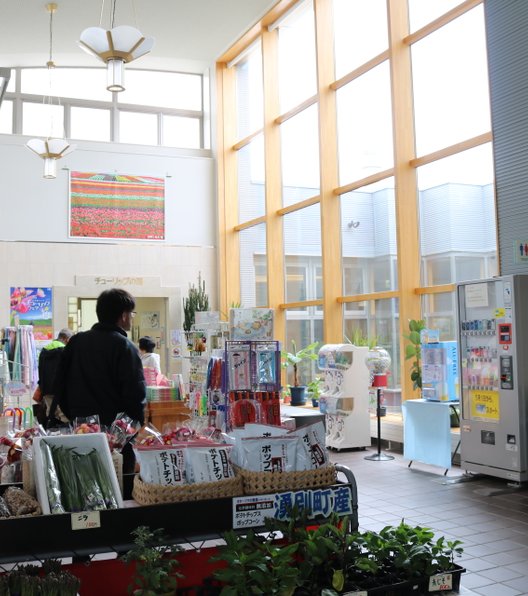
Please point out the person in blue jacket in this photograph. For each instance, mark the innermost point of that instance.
(100, 371)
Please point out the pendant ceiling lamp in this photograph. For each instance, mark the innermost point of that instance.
(115, 47)
(50, 149)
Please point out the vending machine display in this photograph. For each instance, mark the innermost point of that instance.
(493, 350)
(345, 395)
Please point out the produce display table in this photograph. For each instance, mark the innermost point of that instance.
(51, 536)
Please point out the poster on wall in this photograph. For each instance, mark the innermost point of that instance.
(33, 306)
(150, 320)
(116, 206)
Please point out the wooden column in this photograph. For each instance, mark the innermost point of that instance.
(407, 217)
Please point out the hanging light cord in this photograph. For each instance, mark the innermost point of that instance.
(113, 14)
(101, 14)
(51, 38)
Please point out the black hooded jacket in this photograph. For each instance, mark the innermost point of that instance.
(100, 372)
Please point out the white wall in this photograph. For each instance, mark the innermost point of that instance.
(35, 249)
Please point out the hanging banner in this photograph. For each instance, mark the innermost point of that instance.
(33, 306)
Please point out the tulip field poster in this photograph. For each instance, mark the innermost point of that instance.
(33, 306)
(117, 206)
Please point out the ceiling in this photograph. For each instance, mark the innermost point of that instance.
(190, 34)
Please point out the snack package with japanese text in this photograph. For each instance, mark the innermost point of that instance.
(311, 449)
(270, 454)
(208, 464)
(162, 466)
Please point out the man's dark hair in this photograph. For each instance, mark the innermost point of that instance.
(147, 344)
(111, 304)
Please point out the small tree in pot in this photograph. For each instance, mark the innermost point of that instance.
(294, 359)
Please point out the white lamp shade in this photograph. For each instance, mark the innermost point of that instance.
(124, 42)
(50, 150)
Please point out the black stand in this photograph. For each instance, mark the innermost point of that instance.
(379, 456)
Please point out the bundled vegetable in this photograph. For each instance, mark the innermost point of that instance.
(76, 481)
(53, 488)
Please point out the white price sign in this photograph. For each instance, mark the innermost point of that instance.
(250, 512)
(440, 582)
(85, 520)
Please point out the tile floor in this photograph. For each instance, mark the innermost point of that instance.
(488, 515)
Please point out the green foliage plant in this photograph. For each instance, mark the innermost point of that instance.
(197, 300)
(155, 571)
(256, 565)
(295, 357)
(414, 350)
(358, 338)
(314, 387)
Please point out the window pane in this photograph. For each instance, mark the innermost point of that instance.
(468, 268)
(439, 313)
(181, 132)
(6, 117)
(80, 83)
(368, 239)
(450, 84)
(457, 215)
(251, 199)
(253, 269)
(135, 127)
(300, 157)
(438, 271)
(360, 33)
(163, 89)
(378, 321)
(42, 120)
(421, 13)
(364, 125)
(11, 86)
(91, 124)
(249, 94)
(297, 66)
(302, 244)
(304, 329)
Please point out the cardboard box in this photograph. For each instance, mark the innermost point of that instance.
(83, 444)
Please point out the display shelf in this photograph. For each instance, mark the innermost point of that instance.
(42, 537)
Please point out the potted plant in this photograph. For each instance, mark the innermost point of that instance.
(197, 300)
(314, 390)
(330, 559)
(155, 571)
(293, 359)
(255, 565)
(414, 350)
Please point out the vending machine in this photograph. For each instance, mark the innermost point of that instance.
(344, 397)
(493, 353)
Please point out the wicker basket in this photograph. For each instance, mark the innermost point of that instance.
(153, 494)
(261, 483)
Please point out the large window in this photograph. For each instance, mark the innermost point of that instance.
(374, 170)
(157, 108)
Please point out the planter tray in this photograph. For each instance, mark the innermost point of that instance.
(418, 586)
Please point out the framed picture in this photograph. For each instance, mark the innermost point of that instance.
(251, 323)
(116, 206)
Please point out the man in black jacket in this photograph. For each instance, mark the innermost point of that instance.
(100, 371)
